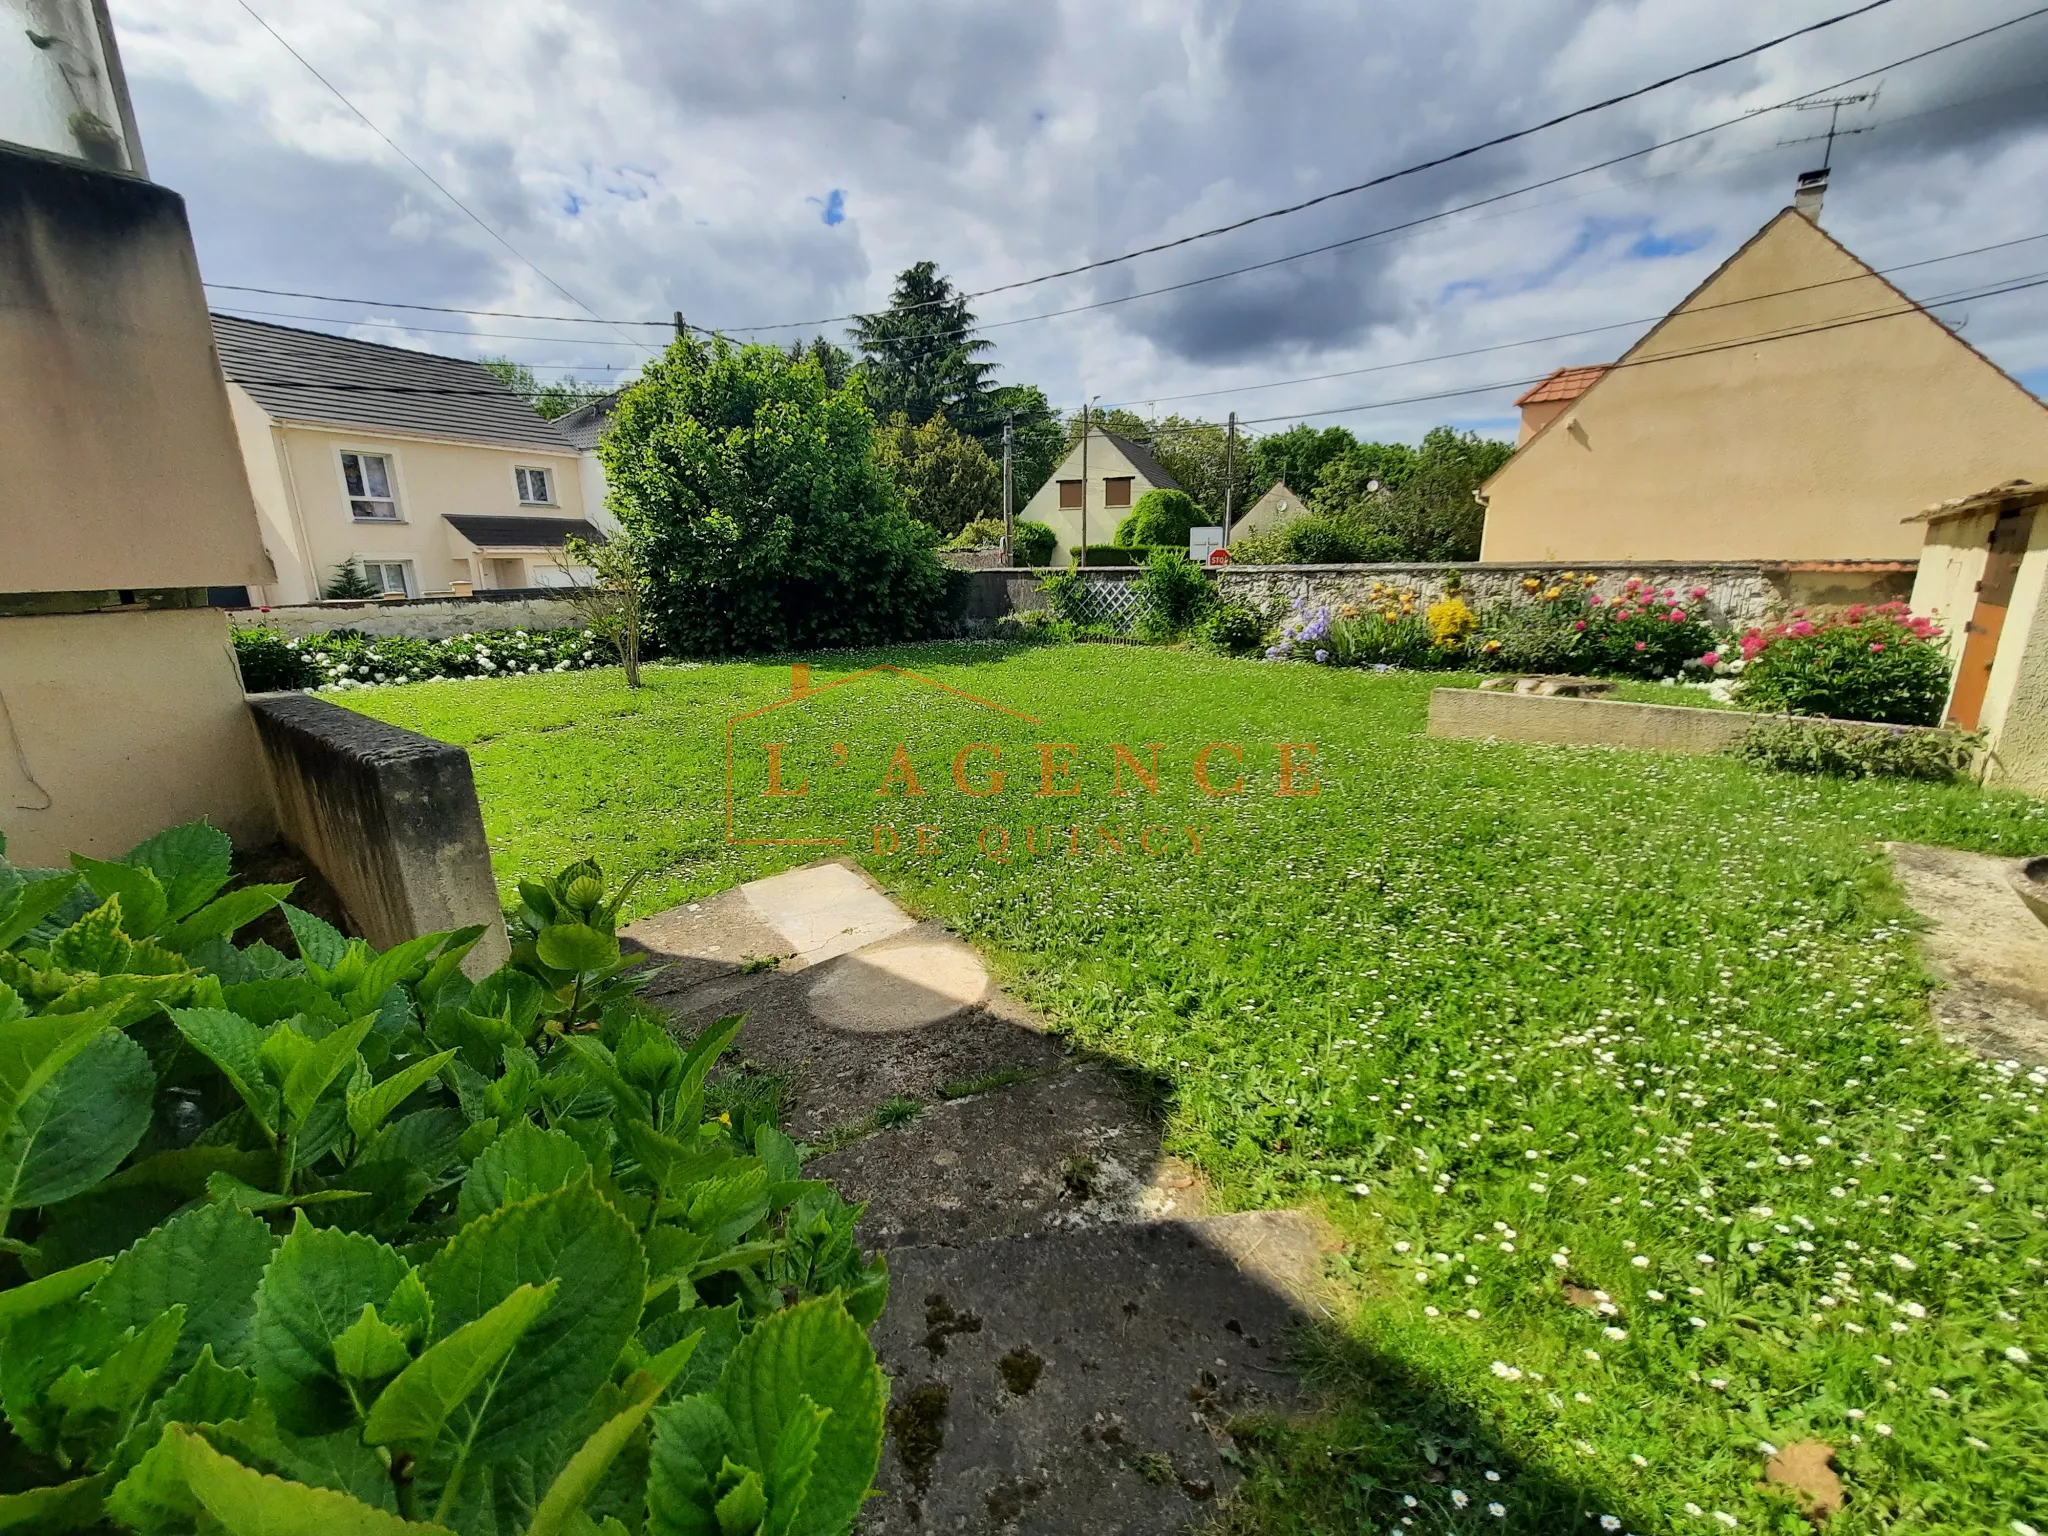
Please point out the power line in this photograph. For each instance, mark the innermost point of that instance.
(425, 330)
(429, 176)
(1591, 330)
(1392, 229)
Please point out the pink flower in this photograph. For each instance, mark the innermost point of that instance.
(1875, 647)
(1642, 645)
(1711, 659)
(1698, 593)
(1580, 624)
(1802, 628)
(1676, 615)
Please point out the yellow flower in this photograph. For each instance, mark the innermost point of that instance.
(1530, 583)
(1552, 595)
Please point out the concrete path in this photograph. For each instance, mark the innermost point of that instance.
(1068, 1335)
(1990, 952)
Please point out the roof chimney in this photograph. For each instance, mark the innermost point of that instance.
(1813, 187)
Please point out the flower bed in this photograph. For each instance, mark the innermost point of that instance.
(346, 658)
(1882, 664)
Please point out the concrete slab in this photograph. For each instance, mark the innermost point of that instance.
(825, 911)
(705, 939)
(1066, 1151)
(1082, 1382)
(1990, 952)
(902, 983)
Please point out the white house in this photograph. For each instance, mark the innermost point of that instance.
(1277, 508)
(423, 472)
(1119, 472)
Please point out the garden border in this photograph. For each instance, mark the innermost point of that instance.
(1473, 714)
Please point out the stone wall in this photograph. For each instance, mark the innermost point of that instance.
(420, 618)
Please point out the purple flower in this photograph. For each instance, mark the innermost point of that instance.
(1322, 655)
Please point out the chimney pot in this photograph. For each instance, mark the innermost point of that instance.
(1812, 189)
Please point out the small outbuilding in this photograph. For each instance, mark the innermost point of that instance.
(1276, 509)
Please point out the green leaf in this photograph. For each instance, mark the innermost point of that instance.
(190, 863)
(576, 947)
(690, 1440)
(415, 1408)
(572, 1235)
(29, 905)
(813, 1351)
(72, 1506)
(250, 1503)
(401, 962)
(369, 1109)
(788, 1478)
(221, 917)
(234, 1045)
(118, 1385)
(317, 1068)
(314, 1289)
(144, 905)
(778, 1155)
(319, 943)
(744, 1508)
(95, 942)
(525, 1160)
(209, 1393)
(208, 1261)
(266, 1000)
(226, 1189)
(580, 1476)
(79, 1126)
(369, 1349)
(51, 1290)
(32, 1051)
(725, 1209)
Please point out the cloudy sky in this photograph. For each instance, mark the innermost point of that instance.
(754, 162)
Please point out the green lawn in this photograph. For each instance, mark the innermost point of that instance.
(1518, 1017)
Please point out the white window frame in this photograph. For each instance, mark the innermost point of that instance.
(373, 567)
(519, 481)
(349, 498)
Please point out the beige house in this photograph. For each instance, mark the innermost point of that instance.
(1277, 508)
(1794, 407)
(1098, 496)
(424, 473)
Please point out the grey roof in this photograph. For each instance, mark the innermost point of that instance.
(311, 376)
(521, 532)
(586, 424)
(1143, 462)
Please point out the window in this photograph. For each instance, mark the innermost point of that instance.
(1117, 493)
(1070, 494)
(368, 479)
(534, 488)
(392, 576)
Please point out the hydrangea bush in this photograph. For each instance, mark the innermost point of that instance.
(347, 658)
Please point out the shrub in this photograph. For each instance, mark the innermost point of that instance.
(1033, 543)
(347, 658)
(1174, 593)
(1234, 628)
(349, 581)
(1451, 621)
(1161, 517)
(1114, 555)
(1068, 598)
(1315, 539)
(763, 518)
(1858, 751)
(332, 1240)
(1879, 664)
(982, 533)
(1560, 624)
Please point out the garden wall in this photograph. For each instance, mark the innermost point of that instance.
(1738, 594)
(421, 618)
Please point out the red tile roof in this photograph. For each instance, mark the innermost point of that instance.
(1565, 384)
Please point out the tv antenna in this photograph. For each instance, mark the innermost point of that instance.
(1832, 105)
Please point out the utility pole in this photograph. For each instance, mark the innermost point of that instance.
(1009, 525)
(1229, 476)
(1084, 484)
(681, 329)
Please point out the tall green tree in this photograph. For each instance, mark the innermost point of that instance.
(921, 355)
(835, 361)
(1424, 508)
(1038, 438)
(763, 517)
(556, 397)
(1363, 474)
(1297, 456)
(946, 477)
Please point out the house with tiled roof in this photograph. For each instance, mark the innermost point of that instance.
(1094, 489)
(423, 473)
(1545, 402)
(1794, 407)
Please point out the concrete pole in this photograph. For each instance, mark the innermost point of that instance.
(1084, 485)
(1009, 526)
(1229, 475)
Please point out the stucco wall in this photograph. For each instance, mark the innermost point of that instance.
(118, 466)
(116, 725)
(1810, 447)
(434, 618)
(295, 470)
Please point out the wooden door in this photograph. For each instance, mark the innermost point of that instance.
(1987, 620)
